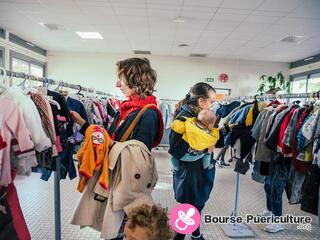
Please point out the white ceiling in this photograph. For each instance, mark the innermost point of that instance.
(245, 29)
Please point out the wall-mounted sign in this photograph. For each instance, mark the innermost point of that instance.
(210, 79)
(223, 77)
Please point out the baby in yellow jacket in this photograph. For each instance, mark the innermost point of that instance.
(200, 134)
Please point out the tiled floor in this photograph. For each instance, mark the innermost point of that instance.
(37, 201)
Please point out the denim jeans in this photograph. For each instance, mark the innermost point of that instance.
(255, 175)
(282, 178)
(267, 189)
(298, 180)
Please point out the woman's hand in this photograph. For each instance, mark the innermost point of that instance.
(77, 118)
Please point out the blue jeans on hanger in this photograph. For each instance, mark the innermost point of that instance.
(298, 180)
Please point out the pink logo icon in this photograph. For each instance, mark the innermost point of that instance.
(185, 218)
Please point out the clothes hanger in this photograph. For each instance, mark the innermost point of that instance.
(35, 90)
(22, 85)
(58, 87)
(79, 92)
(64, 92)
(317, 100)
(54, 102)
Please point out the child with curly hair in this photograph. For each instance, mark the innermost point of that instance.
(148, 223)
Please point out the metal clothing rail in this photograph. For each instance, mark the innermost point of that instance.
(168, 100)
(51, 81)
(279, 96)
(241, 230)
(57, 200)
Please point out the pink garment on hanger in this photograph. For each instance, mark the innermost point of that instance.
(13, 124)
(100, 111)
(58, 139)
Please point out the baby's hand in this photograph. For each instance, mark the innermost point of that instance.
(210, 149)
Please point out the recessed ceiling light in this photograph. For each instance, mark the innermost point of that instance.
(198, 55)
(183, 45)
(309, 58)
(147, 52)
(179, 19)
(90, 35)
(30, 44)
(294, 39)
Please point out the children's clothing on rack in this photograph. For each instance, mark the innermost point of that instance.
(287, 138)
(37, 132)
(167, 108)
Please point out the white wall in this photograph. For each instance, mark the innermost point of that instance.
(175, 74)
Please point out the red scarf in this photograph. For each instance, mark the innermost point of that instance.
(135, 103)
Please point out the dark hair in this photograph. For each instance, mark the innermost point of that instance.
(199, 90)
(153, 218)
(139, 75)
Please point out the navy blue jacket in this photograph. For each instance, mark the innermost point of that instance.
(78, 107)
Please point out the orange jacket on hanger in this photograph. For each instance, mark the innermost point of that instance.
(93, 156)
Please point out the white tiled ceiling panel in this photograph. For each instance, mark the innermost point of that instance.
(241, 29)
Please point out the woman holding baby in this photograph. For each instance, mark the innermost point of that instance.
(192, 160)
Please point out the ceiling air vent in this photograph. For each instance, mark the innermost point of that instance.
(142, 52)
(198, 55)
(293, 39)
(51, 27)
(183, 45)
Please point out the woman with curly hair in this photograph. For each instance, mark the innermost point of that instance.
(136, 80)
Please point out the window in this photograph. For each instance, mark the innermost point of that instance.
(222, 93)
(1, 57)
(299, 85)
(27, 65)
(314, 83)
(36, 70)
(306, 84)
(19, 65)
(2, 33)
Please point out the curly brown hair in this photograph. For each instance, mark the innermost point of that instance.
(153, 218)
(139, 75)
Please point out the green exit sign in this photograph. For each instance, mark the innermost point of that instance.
(210, 79)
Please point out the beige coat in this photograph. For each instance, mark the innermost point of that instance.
(132, 177)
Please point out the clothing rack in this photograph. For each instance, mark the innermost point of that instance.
(57, 200)
(240, 230)
(50, 81)
(168, 100)
(278, 96)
